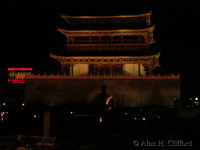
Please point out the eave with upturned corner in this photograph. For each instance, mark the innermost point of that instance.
(120, 19)
(146, 60)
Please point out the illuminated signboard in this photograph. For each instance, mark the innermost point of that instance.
(17, 75)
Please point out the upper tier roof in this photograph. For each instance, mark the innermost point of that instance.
(136, 21)
(106, 53)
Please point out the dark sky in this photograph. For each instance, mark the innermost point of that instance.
(28, 31)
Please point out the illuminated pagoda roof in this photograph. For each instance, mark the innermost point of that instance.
(102, 35)
(107, 32)
(151, 59)
(107, 22)
(106, 53)
(122, 39)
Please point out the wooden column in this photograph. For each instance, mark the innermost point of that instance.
(63, 68)
(139, 72)
(71, 69)
(139, 38)
(150, 69)
(111, 39)
(122, 39)
(123, 69)
(111, 69)
(99, 39)
(147, 42)
(99, 67)
(72, 40)
(90, 39)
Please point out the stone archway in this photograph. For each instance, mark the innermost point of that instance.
(94, 98)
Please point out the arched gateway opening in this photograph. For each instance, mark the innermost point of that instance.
(101, 100)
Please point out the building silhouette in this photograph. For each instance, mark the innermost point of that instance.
(114, 52)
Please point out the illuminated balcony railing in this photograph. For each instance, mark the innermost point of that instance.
(117, 41)
(61, 76)
(103, 47)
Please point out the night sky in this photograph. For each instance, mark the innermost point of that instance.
(28, 32)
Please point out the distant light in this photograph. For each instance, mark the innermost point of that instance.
(34, 116)
(100, 119)
(190, 98)
(23, 104)
(4, 104)
(72, 112)
(196, 98)
(144, 119)
(2, 113)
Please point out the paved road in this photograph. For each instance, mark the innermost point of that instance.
(115, 133)
(120, 134)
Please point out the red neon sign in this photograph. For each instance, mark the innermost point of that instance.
(16, 81)
(20, 69)
(17, 75)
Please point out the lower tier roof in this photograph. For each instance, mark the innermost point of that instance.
(146, 60)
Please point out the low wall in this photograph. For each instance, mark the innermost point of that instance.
(125, 91)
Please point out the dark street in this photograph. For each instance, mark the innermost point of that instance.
(121, 134)
(86, 132)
